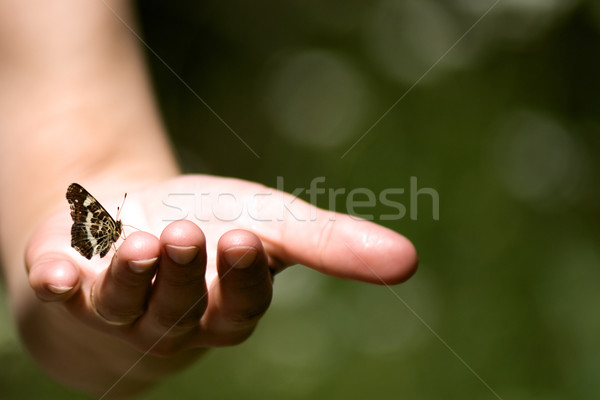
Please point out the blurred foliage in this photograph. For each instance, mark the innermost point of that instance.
(500, 115)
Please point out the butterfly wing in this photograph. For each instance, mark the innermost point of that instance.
(93, 230)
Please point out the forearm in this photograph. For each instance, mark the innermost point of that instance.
(76, 105)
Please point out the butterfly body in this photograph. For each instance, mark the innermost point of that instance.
(94, 231)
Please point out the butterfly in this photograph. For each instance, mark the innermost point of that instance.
(94, 230)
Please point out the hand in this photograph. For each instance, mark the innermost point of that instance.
(212, 269)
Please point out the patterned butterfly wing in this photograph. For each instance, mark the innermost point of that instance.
(93, 230)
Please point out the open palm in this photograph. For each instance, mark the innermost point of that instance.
(196, 271)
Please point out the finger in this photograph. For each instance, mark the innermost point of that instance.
(120, 293)
(294, 231)
(178, 297)
(243, 291)
(52, 273)
(53, 277)
(336, 244)
(343, 246)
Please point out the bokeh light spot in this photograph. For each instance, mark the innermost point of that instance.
(406, 38)
(537, 159)
(316, 98)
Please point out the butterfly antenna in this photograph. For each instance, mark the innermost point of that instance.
(119, 211)
(120, 208)
(131, 226)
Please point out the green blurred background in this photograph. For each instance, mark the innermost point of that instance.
(504, 127)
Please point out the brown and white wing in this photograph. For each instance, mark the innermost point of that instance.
(93, 230)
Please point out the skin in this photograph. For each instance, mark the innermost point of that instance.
(77, 107)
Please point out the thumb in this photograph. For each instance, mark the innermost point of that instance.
(337, 244)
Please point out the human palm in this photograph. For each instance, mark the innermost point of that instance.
(196, 271)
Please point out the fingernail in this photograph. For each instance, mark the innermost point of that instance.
(141, 266)
(181, 254)
(240, 257)
(59, 289)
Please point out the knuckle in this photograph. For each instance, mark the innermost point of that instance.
(126, 278)
(184, 278)
(250, 313)
(117, 314)
(250, 281)
(175, 323)
(167, 348)
(324, 237)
